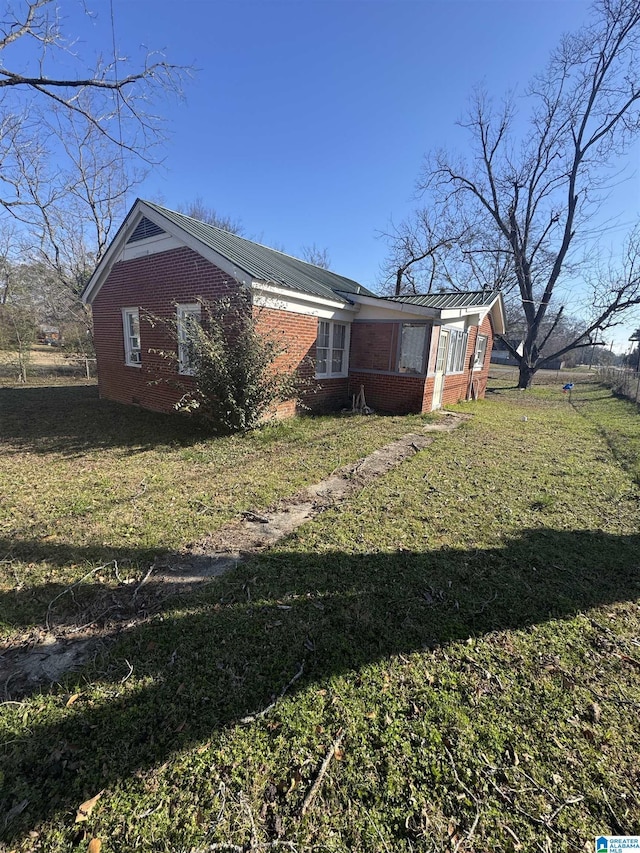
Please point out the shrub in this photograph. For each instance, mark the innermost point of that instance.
(237, 383)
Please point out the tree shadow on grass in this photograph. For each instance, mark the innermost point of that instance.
(72, 420)
(225, 653)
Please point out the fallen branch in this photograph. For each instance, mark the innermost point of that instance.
(260, 714)
(141, 584)
(617, 824)
(468, 835)
(471, 832)
(74, 585)
(308, 800)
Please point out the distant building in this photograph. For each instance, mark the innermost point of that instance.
(50, 336)
(500, 354)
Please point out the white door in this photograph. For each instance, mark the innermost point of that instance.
(441, 366)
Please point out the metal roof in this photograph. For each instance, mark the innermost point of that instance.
(448, 299)
(263, 263)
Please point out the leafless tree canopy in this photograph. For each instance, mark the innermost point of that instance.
(526, 202)
(199, 209)
(316, 256)
(72, 146)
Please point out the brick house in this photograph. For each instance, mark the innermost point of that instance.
(410, 353)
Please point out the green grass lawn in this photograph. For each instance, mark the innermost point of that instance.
(469, 623)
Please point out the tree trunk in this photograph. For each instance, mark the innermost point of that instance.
(525, 377)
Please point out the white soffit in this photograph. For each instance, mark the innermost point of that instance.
(376, 309)
(266, 295)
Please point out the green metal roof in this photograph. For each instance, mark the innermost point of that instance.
(447, 300)
(265, 264)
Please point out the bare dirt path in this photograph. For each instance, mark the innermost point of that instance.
(45, 654)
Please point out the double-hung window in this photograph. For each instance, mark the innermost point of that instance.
(457, 350)
(413, 345)
(331, 349)
(131, 331)
(188, 318)
(481, 351)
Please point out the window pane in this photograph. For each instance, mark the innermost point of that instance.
(331, 352)
(453, 341)
(412, 348)
(442, 349)
(481, 351)
(464, 339)
(456, 358)
(131, 324)
(337, 356)
(323, 334)
(321, 360)
(188, 320)
(457, 350)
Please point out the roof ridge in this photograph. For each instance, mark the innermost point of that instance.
(241, 237)
(261, 262)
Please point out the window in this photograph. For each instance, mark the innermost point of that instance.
(457, 350)
(481, 351)
(188, 318)
(331, 349)
(413, 343)
(131, 329)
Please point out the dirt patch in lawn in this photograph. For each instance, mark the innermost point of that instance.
(43, 656)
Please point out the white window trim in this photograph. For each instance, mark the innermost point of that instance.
(480, 338)
(129, 351)
(345, 361)
(183, 310)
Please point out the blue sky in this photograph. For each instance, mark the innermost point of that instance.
(308, 120)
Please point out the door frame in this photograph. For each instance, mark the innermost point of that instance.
(442, 355)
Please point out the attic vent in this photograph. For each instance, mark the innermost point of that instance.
(145, 228)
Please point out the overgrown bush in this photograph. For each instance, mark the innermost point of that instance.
(236, 381)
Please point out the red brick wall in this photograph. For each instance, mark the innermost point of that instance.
(156, 282)
(389, 392)
(376, 343)
(153, 283)
(299, 333)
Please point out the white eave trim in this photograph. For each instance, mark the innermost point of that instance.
(285, 293)
(398, 307)
(459, 313)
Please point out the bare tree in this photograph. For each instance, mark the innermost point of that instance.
(71, 147)
(538, 196)
(316, 256)
(120, 109)
(198, 209)
(426, 250)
